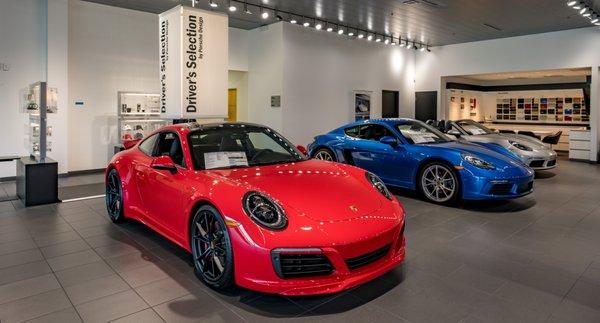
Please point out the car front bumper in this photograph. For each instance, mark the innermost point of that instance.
(257, 269)
(484, 188)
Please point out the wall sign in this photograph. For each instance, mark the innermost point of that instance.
(4, 67)
(194, 63)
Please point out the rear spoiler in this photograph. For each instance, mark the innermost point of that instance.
(130, 143)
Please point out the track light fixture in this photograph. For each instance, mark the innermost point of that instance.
(318, 24)
(263, 13)
(232, 7)
(585, 11)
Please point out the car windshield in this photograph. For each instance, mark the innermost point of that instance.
(417, 132)
(238, 146)
(473, 128)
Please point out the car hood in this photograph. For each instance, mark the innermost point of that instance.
(322, 191)
(499, 160)
(536, 145)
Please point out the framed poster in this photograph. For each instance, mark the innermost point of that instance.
(362, 105)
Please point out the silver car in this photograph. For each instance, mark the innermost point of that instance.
(531, 151)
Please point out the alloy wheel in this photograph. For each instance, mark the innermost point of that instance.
(114, 196)
(438, 183)
(324, 155)
(210, 246)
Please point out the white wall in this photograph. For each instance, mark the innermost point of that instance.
(316, 72)
(22, 35)
(556, 50)
(111, 50)
(265, 74)
(238, 49)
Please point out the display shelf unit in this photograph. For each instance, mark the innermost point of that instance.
(138, 115)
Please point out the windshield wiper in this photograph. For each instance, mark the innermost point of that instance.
(275, 162)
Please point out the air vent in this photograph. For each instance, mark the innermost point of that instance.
(368, 258)
(295, 265)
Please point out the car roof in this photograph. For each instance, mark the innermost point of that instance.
(193, 126)
(386, 121)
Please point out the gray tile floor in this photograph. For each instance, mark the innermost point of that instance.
(536, 259)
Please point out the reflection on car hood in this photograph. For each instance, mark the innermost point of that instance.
(322, 191)
(499, 160)
(503, 140)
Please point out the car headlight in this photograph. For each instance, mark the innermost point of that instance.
(519, 146)
(264, 211)
(478, 162)
(378, 185)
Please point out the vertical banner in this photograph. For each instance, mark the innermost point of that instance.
(194, 63)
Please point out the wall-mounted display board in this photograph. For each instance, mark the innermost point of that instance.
(139, 115)
(361, 104)
(542, 109)
(194, 63)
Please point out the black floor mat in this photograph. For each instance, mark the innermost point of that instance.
(80, 191)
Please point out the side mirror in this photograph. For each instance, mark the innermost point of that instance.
(454, 132)
(164, 163)
(389, 140)
(302, 149)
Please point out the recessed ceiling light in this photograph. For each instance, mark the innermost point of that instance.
(583, 10)
(571, 3)
(378, 39)
(387, 41)
(306, 24)
(587, 14)
(246, 9)
(318, 26)
(340, 31)
(370, 37)
(232, 8)
(213, 4)
(351, 34)
(265, 15)
(329, 29)
(293, 21)
(361, 36)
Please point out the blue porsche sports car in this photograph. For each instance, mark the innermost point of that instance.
(410, 154)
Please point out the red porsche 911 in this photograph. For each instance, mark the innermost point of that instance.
(255, 212)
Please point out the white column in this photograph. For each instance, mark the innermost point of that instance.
(594, 113)
(58, 76)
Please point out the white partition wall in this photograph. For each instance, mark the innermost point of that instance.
(193, 63)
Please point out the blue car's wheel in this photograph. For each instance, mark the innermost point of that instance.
(325, 154)
(438, 183)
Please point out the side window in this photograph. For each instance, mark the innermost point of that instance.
(170, 145)
(147, 146)
(352, 131)
(374, 132)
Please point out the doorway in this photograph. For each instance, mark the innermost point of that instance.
(390, 104)
(232, 105)
(426, 105)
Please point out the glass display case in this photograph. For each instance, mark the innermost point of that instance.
(139, 115)
(40, 133)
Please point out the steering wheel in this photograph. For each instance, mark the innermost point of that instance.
(259, 153)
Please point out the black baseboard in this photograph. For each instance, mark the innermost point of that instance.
(63, 175)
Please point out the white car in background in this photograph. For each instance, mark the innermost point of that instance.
(531, 151)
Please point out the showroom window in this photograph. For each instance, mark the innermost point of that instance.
(374, 132)
(170, 145)
(147, 146)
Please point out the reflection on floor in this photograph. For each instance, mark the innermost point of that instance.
(531, 260)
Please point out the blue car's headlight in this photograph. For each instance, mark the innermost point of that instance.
(478, 162)
(378, 185)
(519, 146)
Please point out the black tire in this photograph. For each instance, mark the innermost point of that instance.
(325, 154)
(114, 197)
(212, 253)
(443, 188)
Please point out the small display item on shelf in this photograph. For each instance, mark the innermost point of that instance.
(139, 115)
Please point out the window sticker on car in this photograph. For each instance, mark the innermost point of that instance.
(419, 137)
(222, 159)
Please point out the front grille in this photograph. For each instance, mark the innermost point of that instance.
(536, 163)
(501, 189)
(289, 265)
(525, 187)
(363, 260)
(551, 163)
